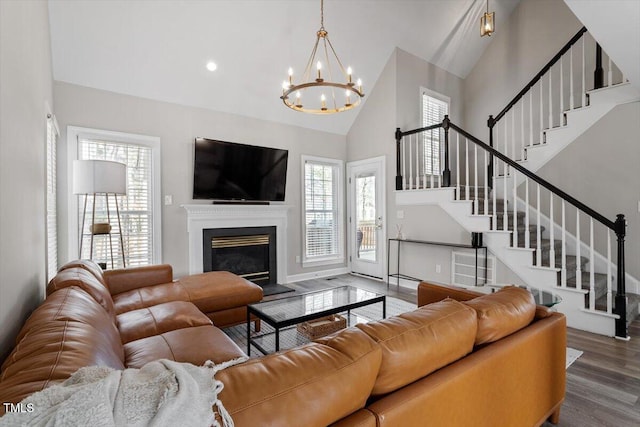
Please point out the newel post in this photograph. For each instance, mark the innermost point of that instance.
(446, 173)
(621, 297)
(491, 123)
(598, 74)
(398, 164)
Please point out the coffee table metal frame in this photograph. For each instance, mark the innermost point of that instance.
(254, 309)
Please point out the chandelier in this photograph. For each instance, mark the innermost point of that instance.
(319, 93)
(487, 23)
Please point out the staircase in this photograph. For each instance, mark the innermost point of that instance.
(545, 236)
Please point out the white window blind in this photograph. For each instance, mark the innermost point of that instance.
(136, 208)
(52, 216)
(322, 210)
(433, 111)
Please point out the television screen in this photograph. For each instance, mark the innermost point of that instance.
(229, 171)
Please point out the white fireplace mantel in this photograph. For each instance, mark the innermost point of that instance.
(201, 217)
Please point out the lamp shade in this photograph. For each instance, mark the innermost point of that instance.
(99, 176)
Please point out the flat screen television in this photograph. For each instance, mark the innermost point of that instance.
(238, 172)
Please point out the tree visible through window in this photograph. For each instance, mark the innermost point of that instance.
(136, 208)
(322, 215)
(434, 108)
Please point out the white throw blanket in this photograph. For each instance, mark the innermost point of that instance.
(161, 393)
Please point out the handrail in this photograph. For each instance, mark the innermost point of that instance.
(424, 129)
(546, 184)
(538, 76)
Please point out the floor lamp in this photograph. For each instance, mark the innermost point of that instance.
(100, 177)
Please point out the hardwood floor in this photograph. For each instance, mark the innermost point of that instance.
(603, 385)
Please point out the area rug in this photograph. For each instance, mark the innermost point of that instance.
(274, 289)
(290, 337)
(572, 356)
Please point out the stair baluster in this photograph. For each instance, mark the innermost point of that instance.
(563, 271)
(513, 173)
(592, 277)
(552, 245)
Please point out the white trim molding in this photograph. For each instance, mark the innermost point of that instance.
(153, 142)
(317, 274)
(201, 217)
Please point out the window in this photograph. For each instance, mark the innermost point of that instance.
(434, 108)
(323, 227)
(52, 216)
(139, 210)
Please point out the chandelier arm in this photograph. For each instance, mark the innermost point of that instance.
(307, 70)
(337, 57)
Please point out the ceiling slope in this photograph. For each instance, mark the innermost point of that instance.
(158, 50)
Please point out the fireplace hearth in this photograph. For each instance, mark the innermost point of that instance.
(249, 252)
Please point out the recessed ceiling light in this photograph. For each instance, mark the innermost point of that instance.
(211, 66)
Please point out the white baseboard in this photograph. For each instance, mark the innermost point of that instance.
(317, 274)
(404, 283)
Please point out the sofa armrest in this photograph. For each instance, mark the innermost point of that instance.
(429, 293)
(127, 279)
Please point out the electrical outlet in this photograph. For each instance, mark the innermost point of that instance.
(168, 199)
(438, 268)
(298, 259)
(400, 214)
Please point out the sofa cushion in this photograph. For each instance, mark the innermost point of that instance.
(148, 296)
(502, 313)
(81, 278)
(220, 290)
(74, 304)
(157, 319)
(88, 265)
(312, 385)
(417, 343)
(192, 345)
(126, 279)
(55, 350)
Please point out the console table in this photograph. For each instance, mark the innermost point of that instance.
(399, 275)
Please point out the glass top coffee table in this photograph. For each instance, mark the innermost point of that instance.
(289, 311)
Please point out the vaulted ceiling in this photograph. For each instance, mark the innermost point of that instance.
(159, 49)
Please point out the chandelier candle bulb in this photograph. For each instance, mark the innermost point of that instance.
(323, 100)
(360, 86)
(290, 76)
(347, 93)
(349, 72)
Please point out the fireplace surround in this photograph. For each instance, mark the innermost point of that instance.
(201, 217)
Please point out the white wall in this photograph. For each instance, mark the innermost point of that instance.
(395, 102)
(177, 126)
(26, 87)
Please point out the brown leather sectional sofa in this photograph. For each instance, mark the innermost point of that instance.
(495, 360)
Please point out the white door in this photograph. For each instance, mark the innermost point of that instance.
(366, 225)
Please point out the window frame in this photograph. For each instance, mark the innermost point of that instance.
(442, 98)
(51, 209)
(339, 257)
(153, 142)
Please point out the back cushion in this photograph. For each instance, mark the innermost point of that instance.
(502, 313)
(74, 304)
(417, 343)
(312, 385)
(83, 279)
(50, 354)
(88, 265)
